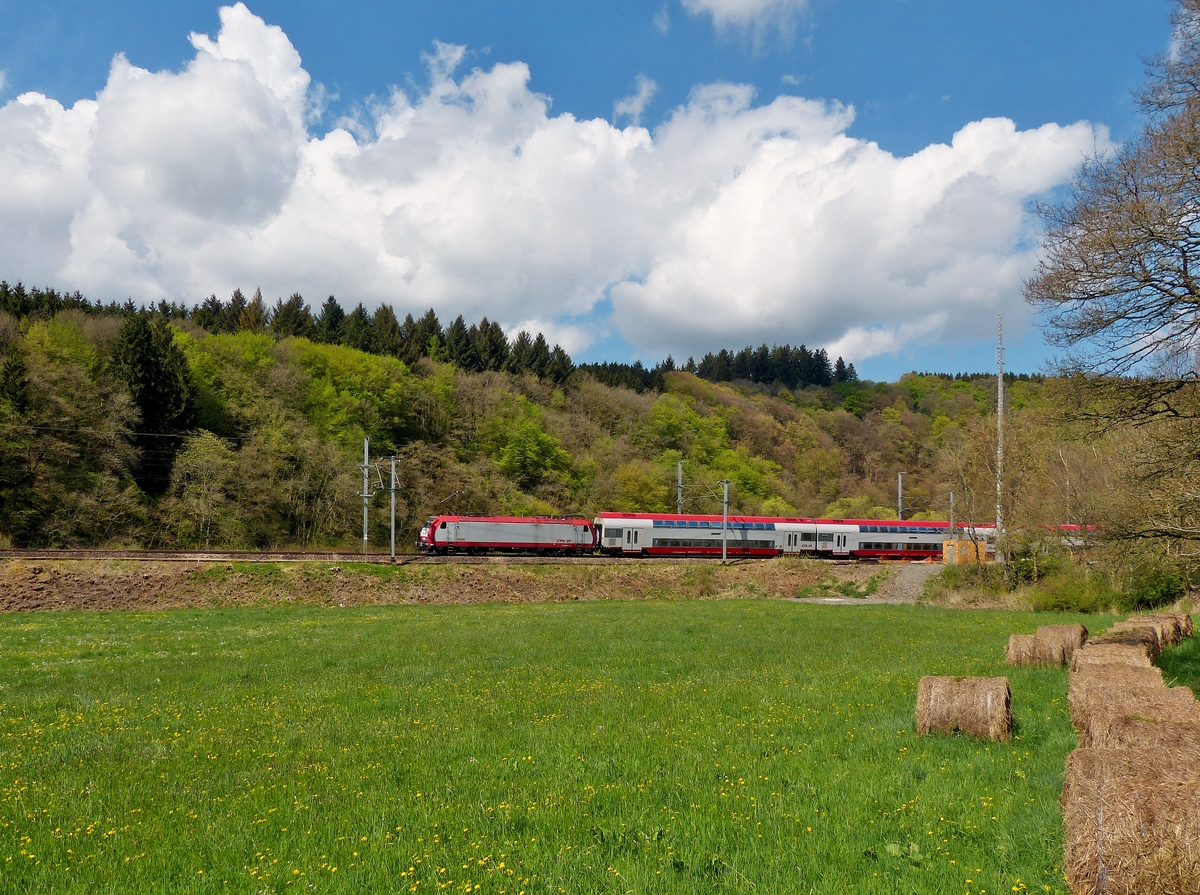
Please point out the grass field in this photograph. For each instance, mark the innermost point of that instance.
(690, 746)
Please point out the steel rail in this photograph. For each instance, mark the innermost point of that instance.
(253, 556)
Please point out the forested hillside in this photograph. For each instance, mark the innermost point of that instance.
(216, 428)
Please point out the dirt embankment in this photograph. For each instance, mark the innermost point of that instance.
(92, 585)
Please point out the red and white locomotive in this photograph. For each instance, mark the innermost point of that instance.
(507, 534)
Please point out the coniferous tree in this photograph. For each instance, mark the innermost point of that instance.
(155, 371)
(328, 326)
(208, 314)
(844, 372)
(291, 317)
(14, 380)
(386, 335)
(425, 331)
(254, 317)
(539, 357)
(519, 353)
(559, 367)
(172, 311)
(714, 367)
(760, 365)
(491, 346)
(231, 314)
(460, 345)
(356, 329)
(472, 363)
(409, 353)
(823, 369)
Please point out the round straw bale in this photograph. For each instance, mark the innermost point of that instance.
(1092, 685)
(1115, 676)
(979, 706)
(1169, 627)
(1132, 721)
(1175, 726)
(1148, 626)
(1096, 652)
(1134, 632)
(1060, 641)
(1022, 649)
(1132, 821)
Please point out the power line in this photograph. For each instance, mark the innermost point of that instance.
(80, 431)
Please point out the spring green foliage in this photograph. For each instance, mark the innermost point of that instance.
(513, 435)
(1181, 664)
(1058, 584)
(351, 394)
(671, 747)
(120, 427)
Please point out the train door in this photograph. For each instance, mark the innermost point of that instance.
(633, 540)
(841, 544)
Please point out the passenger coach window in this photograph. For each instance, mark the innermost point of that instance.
(614, 533)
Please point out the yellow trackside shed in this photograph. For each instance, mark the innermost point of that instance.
(965, 550)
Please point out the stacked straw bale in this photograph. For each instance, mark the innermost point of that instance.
(1109, 653)
(1096, 683)
(1142, 717)
(1139, 636)
(1132, 821)
(1130, 807)
(1062, 639)
(1051, 645)
(1162, 632)
(979, 706)
(1169, 627)
(1183, 619)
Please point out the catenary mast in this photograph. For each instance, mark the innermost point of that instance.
(1000, 432)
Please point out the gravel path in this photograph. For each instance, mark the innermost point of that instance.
(906, 585)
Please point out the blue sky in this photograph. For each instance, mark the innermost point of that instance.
(915, 73)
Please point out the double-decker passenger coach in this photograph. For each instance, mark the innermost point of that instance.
(662, 534)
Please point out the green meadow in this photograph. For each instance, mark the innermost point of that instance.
(673, 747)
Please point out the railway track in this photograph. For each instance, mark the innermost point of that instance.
(199, 557)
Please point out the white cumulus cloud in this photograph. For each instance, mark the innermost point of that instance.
(632, 106)
(756, 16)
(731, 222)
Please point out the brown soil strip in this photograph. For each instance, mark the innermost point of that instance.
(109, 585)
